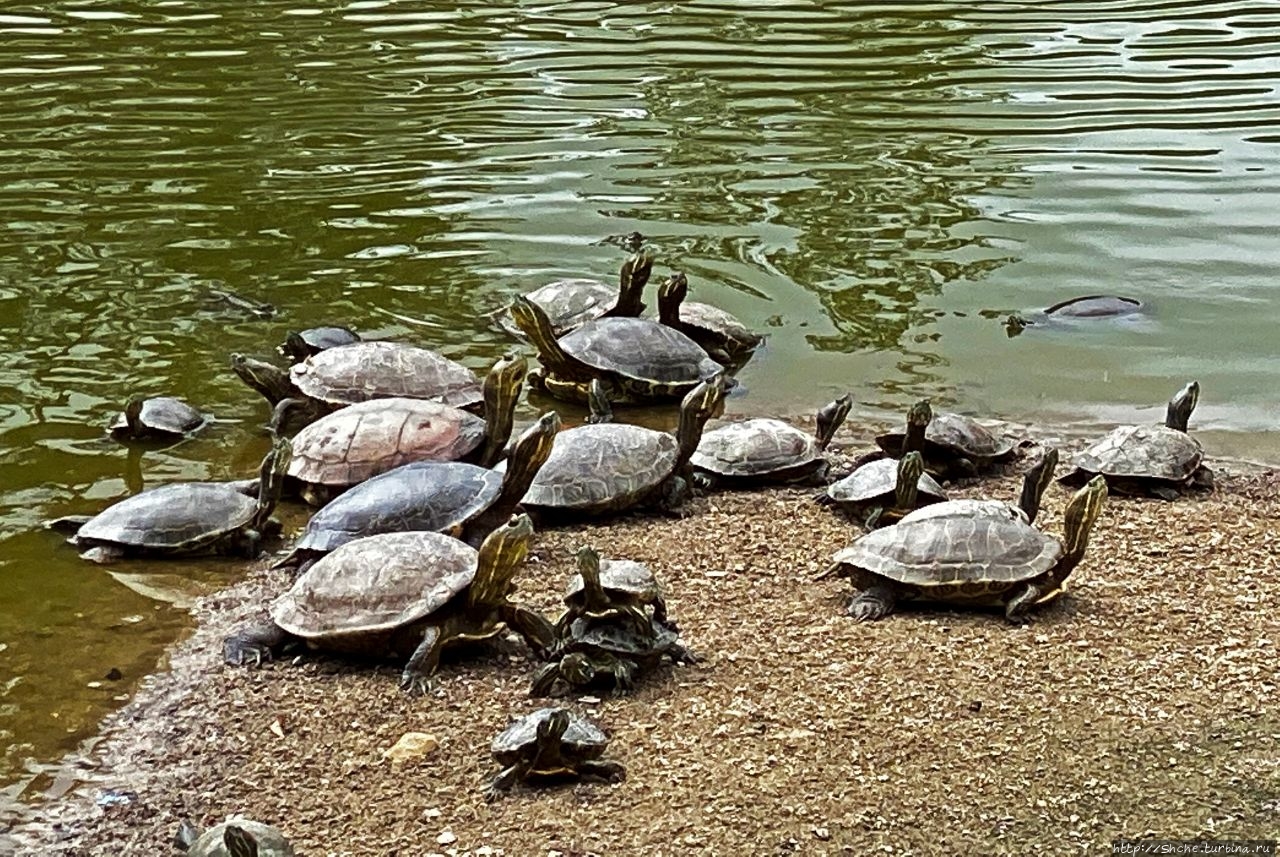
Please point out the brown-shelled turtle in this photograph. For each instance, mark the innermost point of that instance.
(613, 587)
(881, 492)
(163, 418)
(1160, 461)
(606, 651)
(602, 468)
(359, 372)
(239, 837)
(551, 744)
(399, 595)
(298, 345)
(1078, 309)
(994, 558)
(638, 360)
(462, 500)
(571, 303)
(952, 444)
(183, 518)
(762, 450)
(727, 340)
(360, 441)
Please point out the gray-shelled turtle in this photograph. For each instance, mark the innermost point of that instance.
(551, 744)
(881, 492)
(239, 837)
(607, 651)
(298, 345)
(621, 587)
(1078, 309)
(163, 418)
(952, 444)
(727, 340)
(571, 303)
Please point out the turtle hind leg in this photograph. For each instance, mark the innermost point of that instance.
(1020, 604)
(603, 769)
(872, 603)
(255, 644)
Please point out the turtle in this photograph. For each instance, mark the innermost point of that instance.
(881, 492)
(183, 518)
(1160, 461)
(239, 837)
(398, 594)
(598, 469)
(570, 303)
(298, 345)
(358, 372)
(1083, 308)
(551, 743)
(639, 361)
(163, 418)
(354, 443)
(726, 339)
(992, 559)
(613, 587)
(463, 500)
(1034, 483)
(952, 444)
(596, 650)
(763, 450)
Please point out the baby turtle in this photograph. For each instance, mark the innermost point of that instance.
(611, 587)
(727, 340)
(163, 418)
(298, 345)
(952, 444)
(596, 651)
(763, 450)
(881, 492)
(241, 837)
(571, 303)
(551, 744)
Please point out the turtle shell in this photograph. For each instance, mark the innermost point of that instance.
(604, 467)
(299, 345)
(878, 480)
(953, 434)
(163, 415)
(718, 326)
(270, 841)
(581, 741)
(1142, 452)
(619, 577)
(640, 349)
(170, 518)
(376, 370)
(568, 302)
(362, 440)
(619, 638)
(757, 447)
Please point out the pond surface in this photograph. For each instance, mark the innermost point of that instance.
(876, 185)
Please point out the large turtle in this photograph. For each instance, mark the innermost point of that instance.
(1161, 461)
(639, 361)
(551, 743)
(163, 418)
(463, 500)
(1078, 309)
(571, 303)
(605, 650)
(360, 441)
(183, 518)
(762, 450)
(726, 339)
(952, 444)
(402, 595)
(881, 492)
(995, 558)
(609, 467)
(298, 345)
(613, 587)
(239, 837)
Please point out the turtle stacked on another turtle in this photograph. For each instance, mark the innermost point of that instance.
(953, 445)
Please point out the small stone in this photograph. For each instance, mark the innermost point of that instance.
(412, 745)
(446, 838)
(822, 833)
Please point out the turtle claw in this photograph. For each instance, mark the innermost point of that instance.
(416, 685)
(241, 653)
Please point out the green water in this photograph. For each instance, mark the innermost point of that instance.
(881, 181)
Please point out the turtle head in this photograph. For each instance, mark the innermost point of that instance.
(530, 452)
(1036, 482)
(269, 380)
(671, 294)
(632, 279)
(535, 324)
(577, 670)
(831, 417)
(239, 842)
(698, 406)
(598, 407)
(592, 590)
(501, 556)
(1178, 413)
(918, 419)
(910, 469)
(271, 474)
(553, 727)
(501, 392)
(1081, 514)
(294, 347)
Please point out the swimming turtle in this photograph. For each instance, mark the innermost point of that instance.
(609, 467)
(605, 650)
(1083, 308)
(994, 558)
(613, 587)
(298, 345)
(952, 444)
(183, 518)
(239, 837)
(358, 372)
(726, 339)
(159, 418)
(570, 303)
(1160, 461)
(551, 743)
(881, 492)
(767, 450)
(354, 443)
(463, 500)
(402, 594)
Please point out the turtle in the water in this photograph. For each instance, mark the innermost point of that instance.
(992, 558)
(161, 418)
(571, 303)
(240, 837)
(360, 441)
(462, 500)
(609, 467)
(550, 744)
(1083, 308)
(183, 518)
(727, 340)
(595, 651)
(881, 492)
(298, 345)
(1161, 460)
(763, 450)
(613, 587)
(402, 595)
(952, 444)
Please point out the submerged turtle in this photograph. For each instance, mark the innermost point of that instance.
(240, 837)
(595, 651)
(1084, 308)
(952, 444)
(571, 303)
(298, 345)
(610, 467)
(463, 500)
(726, 339)
(1161, 461)
(161, 418)
(613, 587)
(881, 492)
(767, 450)
(402, 595)
(994, 558)
(183, 518)
(360, 441)
(551, 743)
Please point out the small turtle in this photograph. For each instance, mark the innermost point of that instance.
(613, 587)
(183, 518)
(571, 303)
(551, 743)
(402, 594)
(952, 444)
(240, 837)
(596, 651)
(1158, 461)
(881, 492)
(767, 450)
(298, 345)
(727, 340)
(1084, 308)
(161, 418)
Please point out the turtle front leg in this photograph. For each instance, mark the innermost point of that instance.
(1020, 605)
(872, 603)
(507, 778)
(255, 644)
(422, 664)
(544, 680)
(623, 671)
(603, 769)
(672, 494)
(873, 517)
(540, 634)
